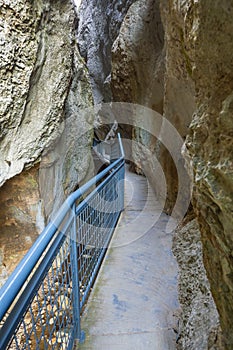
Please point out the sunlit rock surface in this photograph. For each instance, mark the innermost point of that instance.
(44, 86)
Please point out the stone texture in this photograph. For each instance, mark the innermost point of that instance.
(68, 163)
(198, 88)
(44, 88)
(21, 218)
(142, 75)
(41, 76)
(99, 24)
(210, 146)
(37, 93)
(19, 45)
(179, 94)
(199, 319)
(137, 57)
(138, 77)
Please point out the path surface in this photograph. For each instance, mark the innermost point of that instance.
(134, 299)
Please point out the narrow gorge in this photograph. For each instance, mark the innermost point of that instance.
(64, 66)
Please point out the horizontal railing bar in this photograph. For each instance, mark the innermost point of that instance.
(10, 289)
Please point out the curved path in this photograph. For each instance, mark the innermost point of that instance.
(134, 300)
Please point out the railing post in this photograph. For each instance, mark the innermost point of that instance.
(122, 174)
(80, 335)
(122, 178)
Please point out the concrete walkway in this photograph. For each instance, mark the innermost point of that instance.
(134, 299)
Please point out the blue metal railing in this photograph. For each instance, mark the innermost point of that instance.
(41, 302)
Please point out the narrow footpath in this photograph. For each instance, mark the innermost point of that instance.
(134, 301)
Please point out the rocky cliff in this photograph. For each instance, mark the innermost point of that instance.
(197, 100)
(210, 145)
(199, 320)
(44, 86)
(203, 38)
(179, 95)
(45, 138)
(149, 68)
(172, 56)
(138, 66)
(138, 59)
(99, 24)
(205, 43)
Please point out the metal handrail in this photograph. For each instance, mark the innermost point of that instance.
(10, 289)
(53, 233)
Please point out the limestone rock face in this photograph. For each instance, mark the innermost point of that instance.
(44, 87)
(179, 94)
(198, 87)
(210, 145)
(68, 163)
(35, 80)
(36, 61)
(149, 69)
(199, 320)
(19, 46)
(203, 36)
(99, 24)
(21, 218)
(137, 57)
(138, 77)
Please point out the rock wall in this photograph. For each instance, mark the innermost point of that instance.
(36, 42)
(173, 56)
(197, 100)
(137, 57)
(179, 95)
(149, 69)
(205, 43)
(210, 145)
(99, 24)
(138, 77)
(44, 85)
(199, 319)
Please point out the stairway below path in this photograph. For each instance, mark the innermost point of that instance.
(134, 301)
